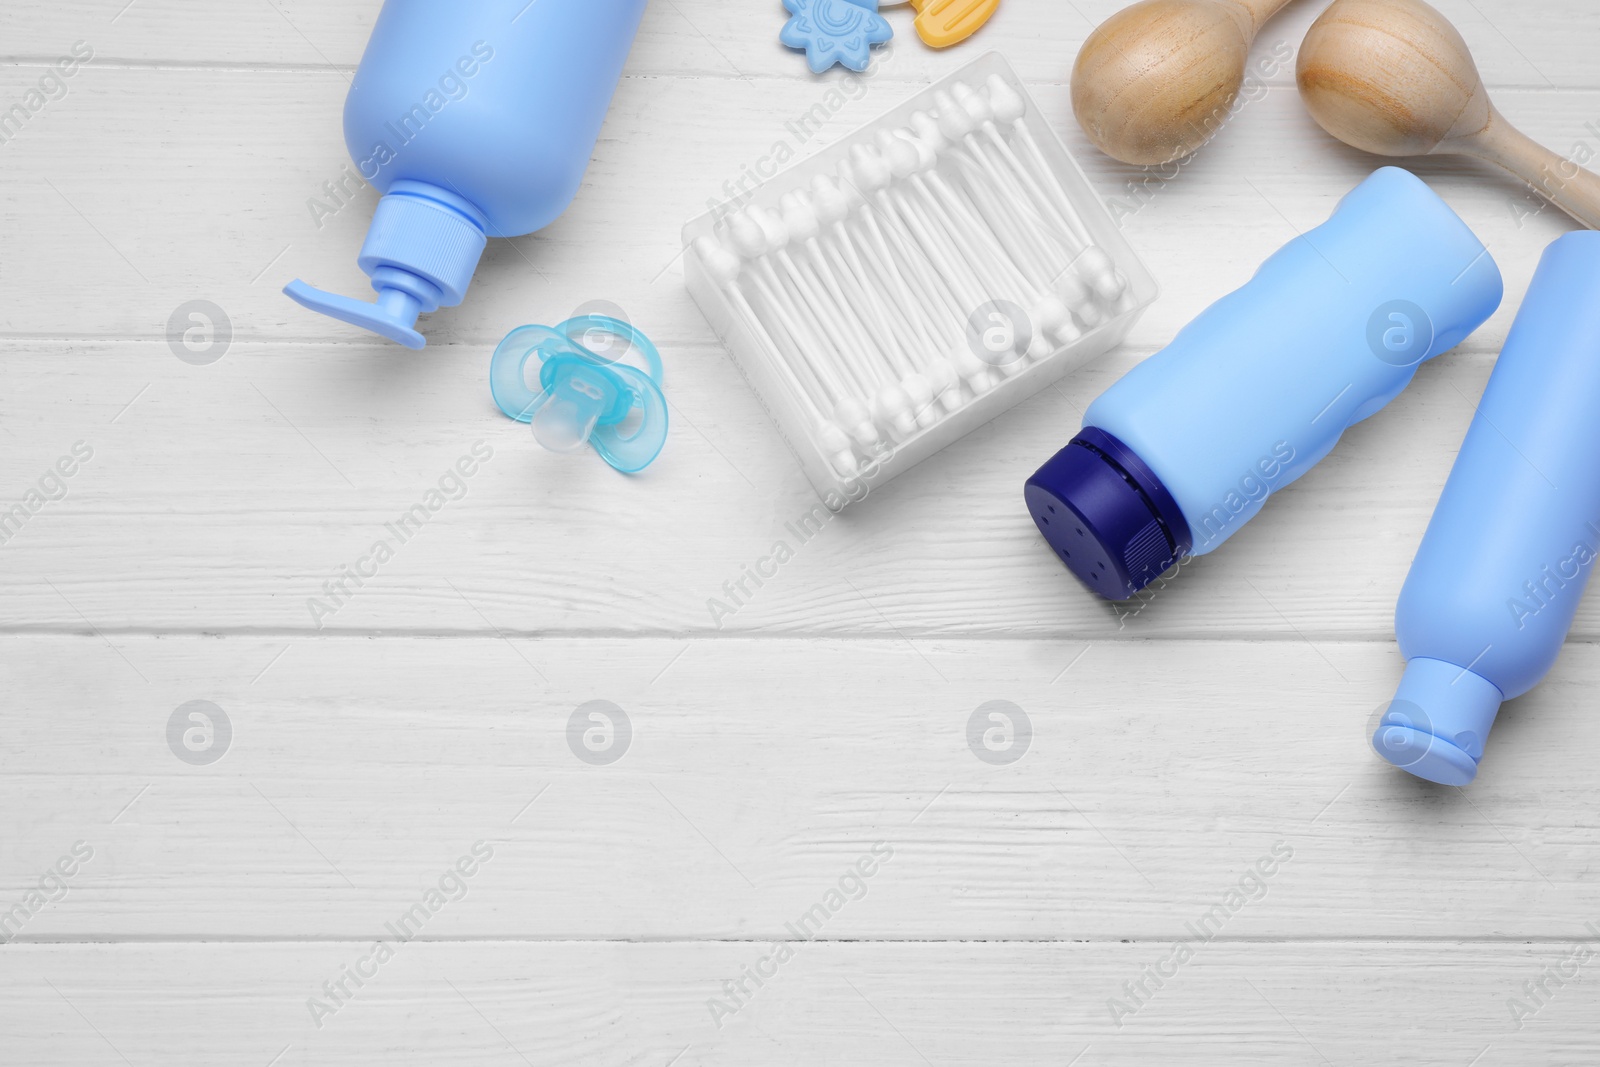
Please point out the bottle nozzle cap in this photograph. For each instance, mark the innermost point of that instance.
(394, 315)
(1107, 515)
(420, 253)
(1438, 721)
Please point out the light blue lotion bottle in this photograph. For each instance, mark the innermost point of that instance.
(1505, 560)
(474, 120)
(1186, 448)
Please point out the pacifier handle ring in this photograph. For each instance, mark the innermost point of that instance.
(636, 396)
(617, 328)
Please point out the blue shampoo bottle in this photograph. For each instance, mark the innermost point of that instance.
(475, 120)
(1494, 586)
(1185, 449)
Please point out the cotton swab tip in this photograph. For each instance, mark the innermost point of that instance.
(954, 122)
(829, 201)
(1006, 101)
(748, 239)
(773, 231)
(928, 131)
(853, 415)
(799, 217)
(1039, 349)
(974, 104)
(723, 264)
(1050, 313)
(900, 153)
(868, 170)
(832, 439)
(1067, 333)
(919, 391)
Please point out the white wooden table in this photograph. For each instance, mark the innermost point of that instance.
(1171, 753)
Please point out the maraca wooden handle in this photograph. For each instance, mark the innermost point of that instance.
(1394, 77)
(1561, 181)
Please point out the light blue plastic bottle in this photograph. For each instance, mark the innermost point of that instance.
(475, 120)
(1185, 449)
(1494, 586)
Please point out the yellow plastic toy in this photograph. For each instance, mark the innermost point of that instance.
(942, 23)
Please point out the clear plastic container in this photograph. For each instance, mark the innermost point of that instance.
(769, 364)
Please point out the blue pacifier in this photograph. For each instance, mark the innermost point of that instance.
(584, 398)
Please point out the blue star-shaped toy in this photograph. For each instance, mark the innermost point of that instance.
(835, 31)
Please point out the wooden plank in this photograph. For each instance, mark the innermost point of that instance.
(414, 760)
(113, 251)
(1283, 1005)
(222, 498)
(1156, 776)
(1531, 46)
(305, 479)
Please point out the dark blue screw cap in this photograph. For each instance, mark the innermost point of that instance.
(1107, 515)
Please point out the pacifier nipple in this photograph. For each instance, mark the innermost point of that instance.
(565, 421)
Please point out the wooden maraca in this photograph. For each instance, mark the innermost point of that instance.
(1393, 77)
(1156, 80)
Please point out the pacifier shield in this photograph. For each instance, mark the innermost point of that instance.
(584, 398)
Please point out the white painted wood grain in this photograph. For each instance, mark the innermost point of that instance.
(210, 199)
(841, 1005)
(295, 452)
(1529, 45)
(1173, 749)
(221, 498)
(759, 770)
